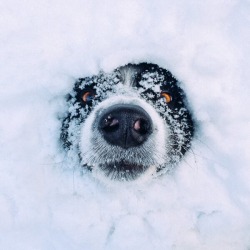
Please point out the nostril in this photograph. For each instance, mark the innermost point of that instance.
(110, 124)
(141, 126)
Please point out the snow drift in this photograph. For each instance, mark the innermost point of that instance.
(47, 202)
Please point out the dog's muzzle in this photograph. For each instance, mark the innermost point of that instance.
(125, 125)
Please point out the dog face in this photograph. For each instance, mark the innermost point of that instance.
(129, 123)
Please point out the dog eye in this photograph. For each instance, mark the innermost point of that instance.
(166, 96)
(88, 96)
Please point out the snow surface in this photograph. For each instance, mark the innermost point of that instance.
(47, 202)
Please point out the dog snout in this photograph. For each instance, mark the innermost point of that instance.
(125, 125)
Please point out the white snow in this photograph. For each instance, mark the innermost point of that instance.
(46, 202)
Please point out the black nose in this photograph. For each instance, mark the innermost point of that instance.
(125, 125)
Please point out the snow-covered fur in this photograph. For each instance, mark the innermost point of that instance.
(138, 85)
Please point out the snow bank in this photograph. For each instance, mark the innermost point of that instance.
(49, 203)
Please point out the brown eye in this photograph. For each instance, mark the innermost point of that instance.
(88, 96)
(166, 96)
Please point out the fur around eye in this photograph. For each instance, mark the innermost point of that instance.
(166, 96)
(88, 96)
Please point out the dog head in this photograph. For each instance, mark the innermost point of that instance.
(128, 123)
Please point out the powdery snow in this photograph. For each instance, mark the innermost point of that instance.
(47, 202)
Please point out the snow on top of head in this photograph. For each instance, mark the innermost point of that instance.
(45, 47)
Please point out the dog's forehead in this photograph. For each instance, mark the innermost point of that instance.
(128, 73)
(145, 73)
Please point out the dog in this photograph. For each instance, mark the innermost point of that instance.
(130, 123)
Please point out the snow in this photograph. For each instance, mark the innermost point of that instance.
(47, 202)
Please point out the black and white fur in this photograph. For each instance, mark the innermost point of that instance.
(151, 141)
